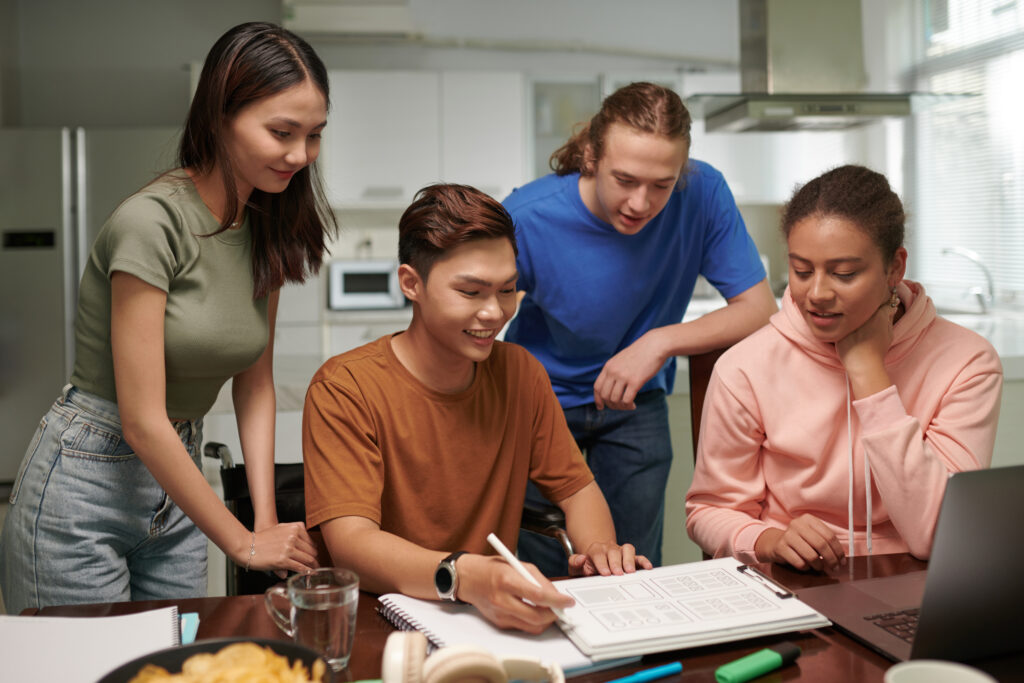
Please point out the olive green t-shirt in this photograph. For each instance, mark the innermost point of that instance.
(213, 328)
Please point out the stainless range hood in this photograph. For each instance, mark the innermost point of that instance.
(801, 68)
(754, 112)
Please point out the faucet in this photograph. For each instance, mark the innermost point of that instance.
(985, 296)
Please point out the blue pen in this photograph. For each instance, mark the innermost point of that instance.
(651, 674)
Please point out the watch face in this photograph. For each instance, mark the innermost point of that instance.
(443, 580)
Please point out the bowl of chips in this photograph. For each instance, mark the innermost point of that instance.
(225, 660)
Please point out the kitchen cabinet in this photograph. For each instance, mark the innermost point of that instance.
(392, 132)
(383, 140)
(483, 130)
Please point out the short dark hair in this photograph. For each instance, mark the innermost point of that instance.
(857, 194)
(644, 107)
(289, 229)
(443, 216)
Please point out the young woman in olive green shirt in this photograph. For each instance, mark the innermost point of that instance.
(179, 295)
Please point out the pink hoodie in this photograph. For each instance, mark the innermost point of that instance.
(777, 430)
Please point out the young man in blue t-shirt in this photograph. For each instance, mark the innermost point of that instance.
(610, 247)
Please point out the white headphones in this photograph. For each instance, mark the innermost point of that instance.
(405, 660)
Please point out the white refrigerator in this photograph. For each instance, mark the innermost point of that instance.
(57, 187)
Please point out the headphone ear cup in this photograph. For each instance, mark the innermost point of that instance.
(461, 663)
(532, 669)
(402, 661)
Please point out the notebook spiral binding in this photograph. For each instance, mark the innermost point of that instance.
(398, 618)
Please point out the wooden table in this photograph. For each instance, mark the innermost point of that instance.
(828, 655)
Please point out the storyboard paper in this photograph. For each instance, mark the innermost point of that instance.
(679, 606)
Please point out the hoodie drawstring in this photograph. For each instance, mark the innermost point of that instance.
(867, 478)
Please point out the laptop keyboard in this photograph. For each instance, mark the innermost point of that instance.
(902, 624)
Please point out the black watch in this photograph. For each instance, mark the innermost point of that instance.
(446, 579)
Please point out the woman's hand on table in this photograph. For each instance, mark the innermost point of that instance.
(807, 543)
(282, 547)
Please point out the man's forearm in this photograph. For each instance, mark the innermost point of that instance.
(587, 518)
(384, 562)
(743, 314)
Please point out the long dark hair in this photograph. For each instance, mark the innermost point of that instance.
(289, 229)
(645, 107)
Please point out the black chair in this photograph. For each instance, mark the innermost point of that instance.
(289, 489)
(546, 520)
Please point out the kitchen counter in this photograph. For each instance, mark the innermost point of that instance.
(1003, 329)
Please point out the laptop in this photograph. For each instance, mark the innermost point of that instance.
(969, 604)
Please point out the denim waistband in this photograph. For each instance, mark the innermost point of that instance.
(107, 411)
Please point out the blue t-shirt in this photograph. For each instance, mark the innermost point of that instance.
(592, 291)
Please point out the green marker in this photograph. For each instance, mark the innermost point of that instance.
(758, 663)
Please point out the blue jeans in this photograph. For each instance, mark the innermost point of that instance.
(630, 453)
(89, 523)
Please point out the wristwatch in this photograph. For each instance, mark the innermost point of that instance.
(446, 579)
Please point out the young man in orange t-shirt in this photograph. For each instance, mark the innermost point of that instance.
(419, 444)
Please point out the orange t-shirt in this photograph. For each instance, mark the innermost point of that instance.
(439, 470)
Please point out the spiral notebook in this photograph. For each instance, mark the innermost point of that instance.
(81, 649)
(446, 623)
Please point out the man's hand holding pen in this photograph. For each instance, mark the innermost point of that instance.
(506, 598)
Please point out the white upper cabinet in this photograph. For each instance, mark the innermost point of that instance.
(483, 130)
(382, 139)
(392, 132)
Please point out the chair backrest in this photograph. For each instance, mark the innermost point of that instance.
(701, 365)
(290, 499)
(289, 487)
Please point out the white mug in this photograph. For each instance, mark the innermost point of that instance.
(935, 671)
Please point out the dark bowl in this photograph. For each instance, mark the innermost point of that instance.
(173, 658)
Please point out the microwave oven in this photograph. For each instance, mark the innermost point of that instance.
(363, 283)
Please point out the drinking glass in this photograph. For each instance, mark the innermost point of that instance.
(323, 612)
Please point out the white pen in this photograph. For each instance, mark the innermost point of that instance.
(518, 566)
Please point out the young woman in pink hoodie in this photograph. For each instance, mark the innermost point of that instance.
(832, 430)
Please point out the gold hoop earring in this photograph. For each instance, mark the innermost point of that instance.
(894, 299)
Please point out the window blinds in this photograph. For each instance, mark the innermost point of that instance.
(967, 155)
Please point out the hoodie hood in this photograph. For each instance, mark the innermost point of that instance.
(919, 313)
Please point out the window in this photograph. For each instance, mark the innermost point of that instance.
(966, 198)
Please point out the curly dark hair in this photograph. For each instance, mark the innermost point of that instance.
(858, 194)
